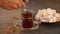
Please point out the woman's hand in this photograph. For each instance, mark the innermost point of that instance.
(12, 4)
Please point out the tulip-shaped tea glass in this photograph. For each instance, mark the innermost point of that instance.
(27, 21)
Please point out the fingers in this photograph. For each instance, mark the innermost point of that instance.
(23, 3)
(12, 4)
(19, 4)
(15, 4)
(13, 1)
